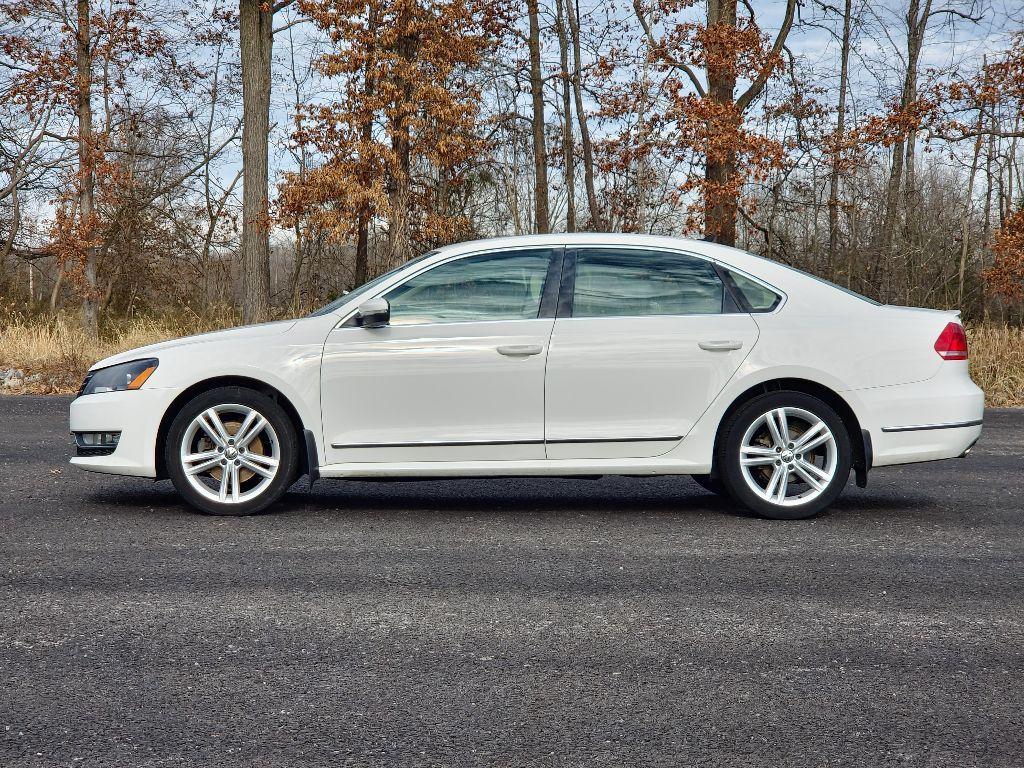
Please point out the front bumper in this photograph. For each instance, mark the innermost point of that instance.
(136, 415)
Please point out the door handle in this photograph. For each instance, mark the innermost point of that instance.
(720, 346)
(520, 350)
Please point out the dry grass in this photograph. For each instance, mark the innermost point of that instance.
(56, 348)
(997, 363)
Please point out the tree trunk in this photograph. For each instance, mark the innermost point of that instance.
(256, 42)
(568, 150)
(400, 184)
(86, 166)
(833, 184)
(297, 269)
(901, 172)
(720, 169)
(362, 265)
(55, 293)
(540, 159)
(572, 14)
(399, 198)
(642, 166)
(965, 222)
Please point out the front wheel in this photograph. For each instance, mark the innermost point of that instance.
(785, 455)
(231, 451)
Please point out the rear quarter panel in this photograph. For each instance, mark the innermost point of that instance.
(855, 346)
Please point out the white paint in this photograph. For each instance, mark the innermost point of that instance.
(597, 378)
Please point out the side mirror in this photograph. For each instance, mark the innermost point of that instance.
(375, 313)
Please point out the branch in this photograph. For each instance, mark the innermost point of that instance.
(993, 132)
(954, 12)
(31, 254)
(289, 25)
(198, 166)
(671, 62)
(762, 77)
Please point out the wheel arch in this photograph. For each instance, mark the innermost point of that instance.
(229, 381)
(860, 439)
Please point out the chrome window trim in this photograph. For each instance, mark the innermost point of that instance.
(401, 279)
(684, 252)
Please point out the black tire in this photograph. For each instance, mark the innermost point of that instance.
(283, 428)
(712, 484)
(727, 458)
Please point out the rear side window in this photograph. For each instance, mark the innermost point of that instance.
(758, 297)
(632, 282)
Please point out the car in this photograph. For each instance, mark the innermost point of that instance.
(547, 355)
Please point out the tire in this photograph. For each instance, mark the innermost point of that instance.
(774, 480)
(222, 477)
(711, 484)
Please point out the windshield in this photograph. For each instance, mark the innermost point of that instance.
(366, 287)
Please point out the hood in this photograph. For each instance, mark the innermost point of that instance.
(245, 332)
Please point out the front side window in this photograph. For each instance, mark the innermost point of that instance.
(631, 282)
(492, 286)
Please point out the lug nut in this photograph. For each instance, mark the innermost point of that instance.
(237, 462)
(223, 462)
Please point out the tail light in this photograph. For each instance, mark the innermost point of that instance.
(952, 342)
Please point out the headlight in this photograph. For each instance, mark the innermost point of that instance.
(118, 378)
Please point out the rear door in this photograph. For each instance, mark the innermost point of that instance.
(643, 342)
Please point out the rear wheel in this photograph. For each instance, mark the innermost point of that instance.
(231, 451)
(785, 455)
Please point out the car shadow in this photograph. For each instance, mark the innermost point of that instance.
(507, 496)
(663, 495)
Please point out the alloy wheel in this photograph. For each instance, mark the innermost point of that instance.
(230, 453)
(788, 456)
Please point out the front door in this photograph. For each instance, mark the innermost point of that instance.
(457, 375)
(644, 341)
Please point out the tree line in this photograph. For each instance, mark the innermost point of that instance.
(271, 155)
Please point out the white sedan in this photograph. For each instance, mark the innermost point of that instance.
(581, 354)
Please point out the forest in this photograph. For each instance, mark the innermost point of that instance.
(173, 166)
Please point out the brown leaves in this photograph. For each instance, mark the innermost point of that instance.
(1006, 276)
(406, 116)
(699, 120)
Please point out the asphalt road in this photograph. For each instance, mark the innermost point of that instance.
(509, 622)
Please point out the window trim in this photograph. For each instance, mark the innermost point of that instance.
(548, 293)
(568, 286)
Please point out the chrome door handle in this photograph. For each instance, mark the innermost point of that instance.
(520, 350)
(720, 346)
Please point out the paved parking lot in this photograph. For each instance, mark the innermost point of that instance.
(509, 622)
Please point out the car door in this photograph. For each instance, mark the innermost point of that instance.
(644, 341)
(457, 374)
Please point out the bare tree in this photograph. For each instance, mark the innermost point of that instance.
(540, 159)
(256, 44)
